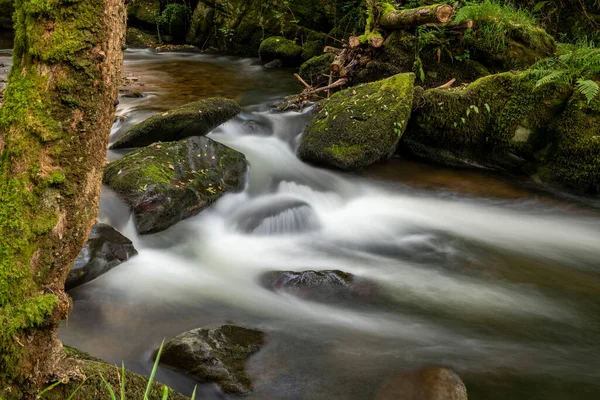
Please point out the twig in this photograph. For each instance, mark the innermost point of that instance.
(332, 38)
(447, 84)
(303, 82)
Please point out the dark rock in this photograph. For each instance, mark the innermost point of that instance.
(138, 39)
(316, 70)
(168, 182)
(215, 355)
(423, 384)
(278, 280)
(193, 119)
(130, 94)
(359, 126)
(280, 48)
(105, 249)
(274, 64)
(331, 286)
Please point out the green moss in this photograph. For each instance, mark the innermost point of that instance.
(484, 122)
(280, 48)
(143, 13)
(316, 70)
(359, 126)
(139, 39)
(312, 49)
(574, 159)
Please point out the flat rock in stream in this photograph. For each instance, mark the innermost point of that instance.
(193, 119)
(215, 355)
(167, 182)
(105, 249)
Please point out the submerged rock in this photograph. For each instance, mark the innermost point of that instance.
(105, 249)
(423, 384)
(168, 182)
(215, 355)
(359, 126)
(193, 119)
(286, 279)
(280, 48)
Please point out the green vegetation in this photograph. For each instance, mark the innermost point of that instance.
(578, 66)
(173, 22)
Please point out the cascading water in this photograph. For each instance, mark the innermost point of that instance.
(504, 291)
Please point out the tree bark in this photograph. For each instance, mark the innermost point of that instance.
(54, 125)
(398, 19)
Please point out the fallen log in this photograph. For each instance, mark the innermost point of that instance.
(332, 50)
(398, 19)
(339, 61)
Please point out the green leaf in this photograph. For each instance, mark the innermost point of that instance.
(55, 384)
(108, 387)
(487, 107)
(153, 373)
(588, 88)
(122, 380)
(165, 395)
(193, 394)
(76, 390)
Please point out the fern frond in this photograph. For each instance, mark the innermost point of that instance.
(588, 88)
(553, 77)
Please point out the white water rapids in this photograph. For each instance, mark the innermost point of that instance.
(488, 287)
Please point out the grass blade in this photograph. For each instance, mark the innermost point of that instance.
(122, 380)
(55, 384)
(194, 393)
(110, 389)
(154, 368)
(165, 393)
(76, 390)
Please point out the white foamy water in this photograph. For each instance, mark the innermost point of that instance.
(472, 283)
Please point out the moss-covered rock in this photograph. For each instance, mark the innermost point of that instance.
(359, 126)
(312, 48)
(215, 355)
(431, 68)
(239, 26)
(192, 119)
(279, 48)
(143, 13)
(138, 39)
(483, 123)
(316, 70)
(574, 159)
(93, 387)
(167, 182)
(105, 249)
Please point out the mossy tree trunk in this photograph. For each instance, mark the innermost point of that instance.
(54, 125)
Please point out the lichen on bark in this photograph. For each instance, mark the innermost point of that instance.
(54, 125)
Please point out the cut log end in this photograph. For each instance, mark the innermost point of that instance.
(354, 41)
(444, 13)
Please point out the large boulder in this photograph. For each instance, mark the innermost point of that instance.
(105, 249)
(423, 384)
(168, 182)
(193, 119)
(574, 159)
(143, 13)
(280, 48)
(215, 355)
(359, 126)
(497, 121)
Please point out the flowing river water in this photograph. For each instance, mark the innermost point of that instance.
(491, 276)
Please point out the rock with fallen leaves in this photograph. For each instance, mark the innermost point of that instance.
(165, 183)
(193, 119)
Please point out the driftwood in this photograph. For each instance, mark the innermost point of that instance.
(399, 19)
(447, 85)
